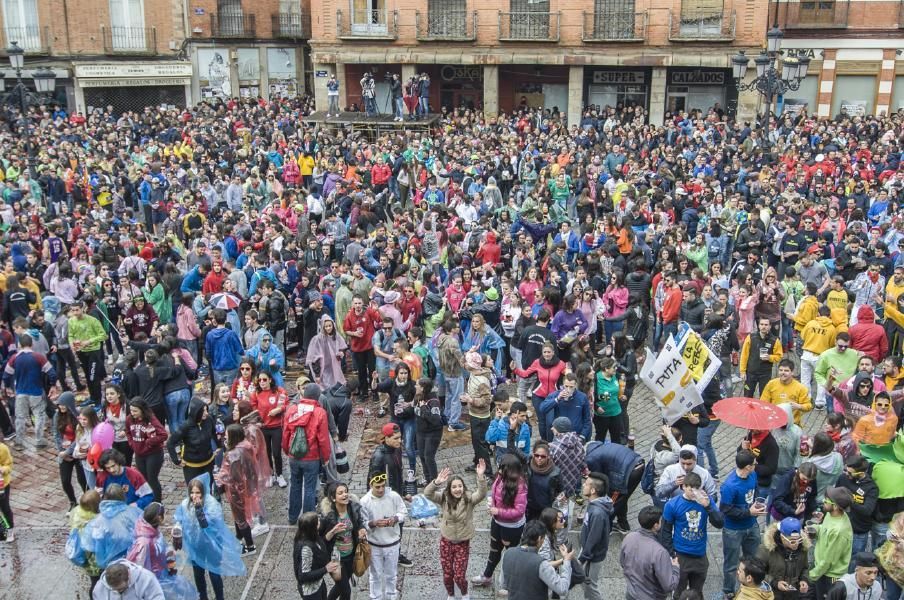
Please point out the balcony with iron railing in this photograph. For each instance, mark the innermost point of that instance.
(446, 26)
(34, 40)
(702, 26)
(821, 14)
(232, 26)
(129, 40)
(614, 26)
(529, 26)
(366, 24)
(292, 25)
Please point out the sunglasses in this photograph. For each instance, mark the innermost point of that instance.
(244, 368)
(541, 455)
(379, 479)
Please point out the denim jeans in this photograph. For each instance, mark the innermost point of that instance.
(399, 106)
(305, 479)
(892, 590)
(861, 541)
(735, 543)
(454, 387)
(334, 105)
(705, 446)
(423, 106)
(177, 407)
(226, 377)
(409, 429)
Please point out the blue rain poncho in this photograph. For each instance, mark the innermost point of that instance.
(213, 548)
(262, 358)
(110, 534)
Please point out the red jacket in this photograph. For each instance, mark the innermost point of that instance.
(263, 401)
(380, 174)
(868, 337)
(548, 376)
(369, 320)
(310, 415)
(145, 438)
(671, 308)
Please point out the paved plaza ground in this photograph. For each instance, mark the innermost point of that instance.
(34, 567)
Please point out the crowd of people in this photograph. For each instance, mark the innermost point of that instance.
(496, 279)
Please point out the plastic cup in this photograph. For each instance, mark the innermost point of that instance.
(759, 503)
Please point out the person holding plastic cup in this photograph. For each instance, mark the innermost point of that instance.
(741, 507)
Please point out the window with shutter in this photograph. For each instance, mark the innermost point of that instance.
(20, 23)
(614, 19)
(447, 18)
(127, 25)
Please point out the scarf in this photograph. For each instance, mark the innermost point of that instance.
(874, 277)
(756, 438)
(541, 471)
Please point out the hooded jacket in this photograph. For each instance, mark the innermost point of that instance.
(196, 435)
(867, 336)
(596, 529)
(818, 335)
(615, 460)
(783, 564)
(576, 409)
(784, 502)
(761, 592)
(310, 415)
(865, 495)
(145, 438)
(143, 585)
(223, 349)
(149, 548)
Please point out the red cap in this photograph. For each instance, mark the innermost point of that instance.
(389, 430)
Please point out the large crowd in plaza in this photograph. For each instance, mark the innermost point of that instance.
(501, 277)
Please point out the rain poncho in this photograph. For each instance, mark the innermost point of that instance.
(238, 474)
(150, 551)
(262, 359)
(75, 551)
(486, 342)
(254, 436)
(324, 350)
(213, 548)
(149, 548)
(110, 534)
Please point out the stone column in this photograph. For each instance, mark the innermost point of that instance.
(491, 90)
(575, 94)
(826, 83)
(264, 78)
(408, 71)
(657, 95)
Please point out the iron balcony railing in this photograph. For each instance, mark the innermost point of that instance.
(822, 14)
(615, 26)
(529, 26)
(710, 26)
(236, 26)
(292, 25)
(129, 40)
(446, 26)
(365, 24)
(34, 40)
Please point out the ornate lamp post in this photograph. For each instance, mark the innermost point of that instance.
(19, 97)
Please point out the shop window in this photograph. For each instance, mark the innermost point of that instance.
(20, 23)
(529, 19)
(613, 19)
(231, 18)
(447, 18)
(127, 25)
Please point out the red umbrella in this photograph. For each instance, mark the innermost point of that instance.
(750, 413)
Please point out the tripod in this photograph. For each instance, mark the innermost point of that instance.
(388, 105)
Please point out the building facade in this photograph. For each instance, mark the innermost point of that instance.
(663, 55)
(131, 54)
(856, 50)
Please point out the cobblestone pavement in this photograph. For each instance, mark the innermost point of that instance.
(34, 567)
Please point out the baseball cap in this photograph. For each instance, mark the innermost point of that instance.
(789, 526)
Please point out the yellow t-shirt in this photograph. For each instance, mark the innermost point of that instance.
(794, 391)
(837, 299)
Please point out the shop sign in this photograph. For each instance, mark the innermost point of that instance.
(618, 77)
(114, 71)
(460, 72)
(854, 108)
(697, 78)
(199, 12)
(133, 82)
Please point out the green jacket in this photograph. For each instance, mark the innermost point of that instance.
(88, 330)
(845, 362)
(833, 547)
(611, 406)
(159, 301)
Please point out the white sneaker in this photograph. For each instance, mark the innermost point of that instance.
(281, 482)
(10, 536)
(260, 529)
(272, 481)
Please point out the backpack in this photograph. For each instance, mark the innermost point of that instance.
(299, 420)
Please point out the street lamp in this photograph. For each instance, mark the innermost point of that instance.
(775, 74)
(45, 82)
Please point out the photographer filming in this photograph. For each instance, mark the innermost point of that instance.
(368, 91)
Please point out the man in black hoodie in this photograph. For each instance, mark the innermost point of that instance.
(533, 338)
(865, 495)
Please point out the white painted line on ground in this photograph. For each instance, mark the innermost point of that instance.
(260, 556)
